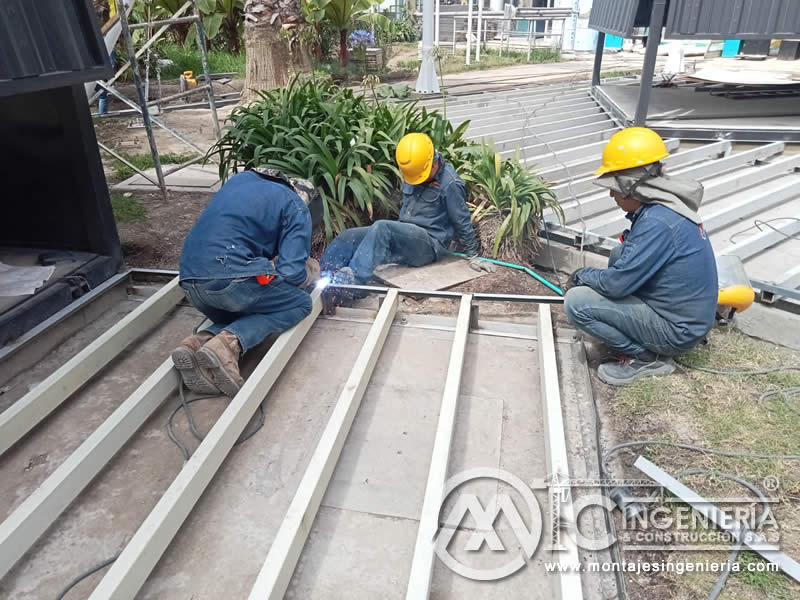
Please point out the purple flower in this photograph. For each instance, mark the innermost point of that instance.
(361, 38)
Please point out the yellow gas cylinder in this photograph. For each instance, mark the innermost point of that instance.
(189, 77)
(735, 292)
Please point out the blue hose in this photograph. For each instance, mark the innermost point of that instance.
(519, 268)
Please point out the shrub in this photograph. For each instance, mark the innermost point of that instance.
(506, 189)
(345, 144)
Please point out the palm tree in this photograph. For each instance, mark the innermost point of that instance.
(342, 14)
(269, 54)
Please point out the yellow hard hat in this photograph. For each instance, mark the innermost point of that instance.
(632, 147)
(414, 156)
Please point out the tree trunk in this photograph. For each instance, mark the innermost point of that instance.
(344, 57)
(269, 55)
(267, 58)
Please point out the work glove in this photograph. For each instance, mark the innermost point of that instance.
(312, 272)
(574, 280)
(478, 264)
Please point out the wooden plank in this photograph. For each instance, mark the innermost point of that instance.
(28, 411)
(35, 515)
(569, 581)
(276, 573)
(419, 581)
(129, 572)
(440, 275)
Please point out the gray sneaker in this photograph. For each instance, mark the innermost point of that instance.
(628, 370)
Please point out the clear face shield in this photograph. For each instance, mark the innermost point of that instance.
(735, 292)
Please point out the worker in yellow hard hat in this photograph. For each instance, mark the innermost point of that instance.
(658, 296)
(433, 214)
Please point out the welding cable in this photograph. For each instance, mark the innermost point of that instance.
(519, 268)
(184, 405)
(84, 575)
(733, 557)
(786, 394)
(758, 224)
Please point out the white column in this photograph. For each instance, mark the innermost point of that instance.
(469, 31)
(438, 18)
(480, 22)
(427, 83)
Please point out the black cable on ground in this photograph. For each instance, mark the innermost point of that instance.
(193, 427)
(84, 575)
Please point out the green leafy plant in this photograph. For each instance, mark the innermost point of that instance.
(344, 14)
(506, 189)
(345, 144)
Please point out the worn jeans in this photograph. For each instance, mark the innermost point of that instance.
(627, 325)
(364, 248)
(247, 309)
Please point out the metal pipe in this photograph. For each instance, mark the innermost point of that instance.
(179, 95)
(531, 25)
(598, 58)
(453, 295)
(650, 56)
(137, 81)
(201, 42)
(166, 22)
(127, 163)
(436, 23)
(183, 165)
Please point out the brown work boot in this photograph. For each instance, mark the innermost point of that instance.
(220, 356)
(195, 377)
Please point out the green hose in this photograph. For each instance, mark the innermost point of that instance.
(519, 268)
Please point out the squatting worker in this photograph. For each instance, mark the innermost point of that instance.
(434, 213)
(658, 295)
(244, 265)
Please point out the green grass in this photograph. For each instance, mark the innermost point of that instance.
(188, 59)
(724, 412)
(127, 209)
(143, 161)
(610, 74)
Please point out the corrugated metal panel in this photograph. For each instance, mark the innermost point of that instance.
(733, 19)
(615, 17)
(49, 43)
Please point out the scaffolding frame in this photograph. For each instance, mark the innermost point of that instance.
(142, 105)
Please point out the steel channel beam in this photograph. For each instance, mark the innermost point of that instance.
(513, 106)
(770, 292)
(506, 121)
(749, 135)
(542, 109)
(476, 297)
(421, 575)
(528, 100)
(751, 206)
(553, 136)
(128, 573)
(472, 99)
(585, 185)
(590, 161)
(525, 129)
(33, 517)
(585, 152)
(762, 241)
(569, 581)
(724, 187)
(552, 110)
(707, 169)
(276, 573)
(562, 143)
(597, 203)
(28, 411)
(721, 519)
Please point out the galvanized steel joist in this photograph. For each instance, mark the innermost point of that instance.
(128, 573)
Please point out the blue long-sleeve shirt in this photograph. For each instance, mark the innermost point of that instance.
(667, 262)
(247, 223)
(440, 208)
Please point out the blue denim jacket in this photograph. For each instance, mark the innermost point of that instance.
(666, 261)
(440, 208)
(247, 223)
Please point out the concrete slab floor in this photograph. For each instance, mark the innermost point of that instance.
(362, 540)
